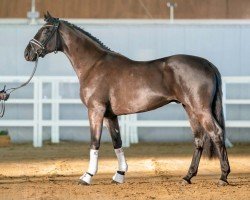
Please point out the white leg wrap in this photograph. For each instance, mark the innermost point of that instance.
(93, 161)
(86, 178)
(122, 164)
(119, 178)
(93, 166)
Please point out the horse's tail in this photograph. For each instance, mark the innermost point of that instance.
(217, 110)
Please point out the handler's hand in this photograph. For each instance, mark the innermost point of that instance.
(4, 96)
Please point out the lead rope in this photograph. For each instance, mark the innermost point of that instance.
(16, 88)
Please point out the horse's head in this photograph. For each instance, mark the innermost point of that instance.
(45, 41)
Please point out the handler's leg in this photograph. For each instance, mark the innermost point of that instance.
(113, 127)
(96, 120)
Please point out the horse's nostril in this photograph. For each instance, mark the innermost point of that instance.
(26, 53)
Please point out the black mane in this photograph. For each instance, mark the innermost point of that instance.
(87, 34)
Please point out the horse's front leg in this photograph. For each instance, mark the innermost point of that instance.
(113, 127)
(96, 120)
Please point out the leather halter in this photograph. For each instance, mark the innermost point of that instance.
(41, 51)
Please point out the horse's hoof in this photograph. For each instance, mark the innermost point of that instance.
(118, 178)
(185, 182)
(222, 183)
(81, 182)
(114, 182)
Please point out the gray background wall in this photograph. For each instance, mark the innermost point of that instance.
(225, 43)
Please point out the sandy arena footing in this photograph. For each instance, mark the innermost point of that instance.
(155, 172)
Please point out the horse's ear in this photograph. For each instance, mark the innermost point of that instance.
(47, 17)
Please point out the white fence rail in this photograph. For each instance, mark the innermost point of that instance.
(129, 124)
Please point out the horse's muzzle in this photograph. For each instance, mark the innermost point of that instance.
(29, 55)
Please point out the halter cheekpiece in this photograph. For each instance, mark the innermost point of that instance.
(41, 51)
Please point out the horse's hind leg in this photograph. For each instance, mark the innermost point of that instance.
(96, 116)
(198, 143)
(216, 133)
(113, 127)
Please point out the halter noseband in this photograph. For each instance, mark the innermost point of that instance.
(42, 45)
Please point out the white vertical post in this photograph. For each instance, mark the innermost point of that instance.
(37, 111)
(133, 129)
(171, 13)
(55, 112)
(224, 103)
(171, 6)
(40, 111)
(127, 130)
(224, 90)
(33, 15)
(122, 128)
(124, 131)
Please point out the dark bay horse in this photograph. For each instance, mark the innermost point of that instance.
(113, 85)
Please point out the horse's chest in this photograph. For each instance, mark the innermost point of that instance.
(93, 95)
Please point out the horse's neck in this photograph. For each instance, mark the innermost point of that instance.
(81, 51)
